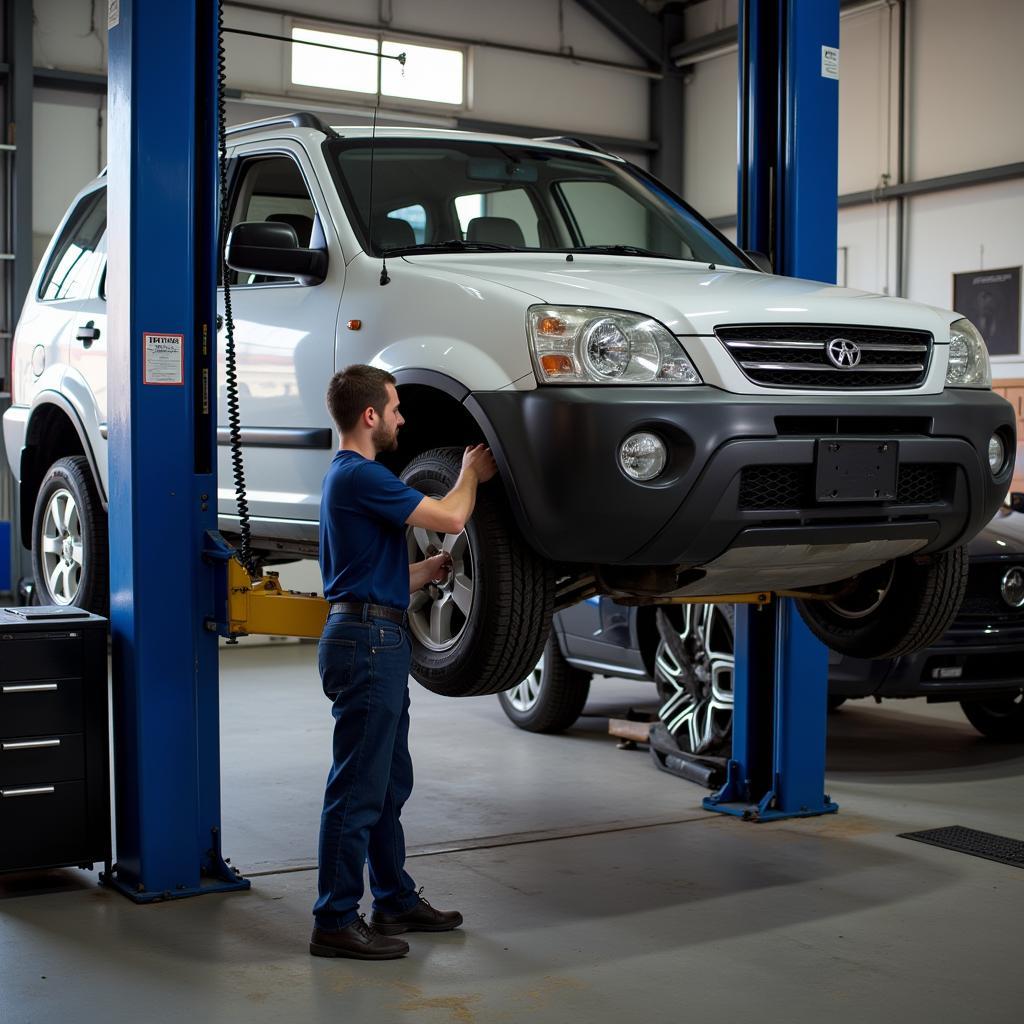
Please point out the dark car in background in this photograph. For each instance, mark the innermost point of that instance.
(979, 662)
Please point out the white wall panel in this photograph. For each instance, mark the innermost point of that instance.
(709, 150)
(970, 229)
(70, 34)
(967, 83)
(865, 259)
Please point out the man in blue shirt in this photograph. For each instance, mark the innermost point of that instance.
(364, 658)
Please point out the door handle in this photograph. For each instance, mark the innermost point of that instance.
(88, 333)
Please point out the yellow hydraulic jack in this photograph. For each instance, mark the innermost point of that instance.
(259, 606)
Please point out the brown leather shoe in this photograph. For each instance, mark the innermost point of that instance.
(420, 918)
(358, 941)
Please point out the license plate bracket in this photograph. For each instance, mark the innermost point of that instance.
(856, 469)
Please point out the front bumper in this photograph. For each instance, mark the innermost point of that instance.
(557, 451)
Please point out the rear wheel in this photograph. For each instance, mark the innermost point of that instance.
(484, 629)
(69, 539)
(551, 697)
(998, 719)
(898, 608)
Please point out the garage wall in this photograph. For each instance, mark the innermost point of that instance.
(70, 135)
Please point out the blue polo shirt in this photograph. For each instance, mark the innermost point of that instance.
(363, 552)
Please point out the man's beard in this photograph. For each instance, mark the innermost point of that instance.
(384, 439)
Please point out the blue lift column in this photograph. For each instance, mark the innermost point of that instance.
(162, 415)
(787, 203)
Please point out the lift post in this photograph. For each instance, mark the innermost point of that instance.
(162, 422)
(787, 203)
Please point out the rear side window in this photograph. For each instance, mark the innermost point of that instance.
(74, 260)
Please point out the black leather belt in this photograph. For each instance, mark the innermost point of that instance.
(368, 611)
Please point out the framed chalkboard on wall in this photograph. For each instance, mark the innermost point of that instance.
(990, 299)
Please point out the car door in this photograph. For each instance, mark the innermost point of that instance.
(284, 336)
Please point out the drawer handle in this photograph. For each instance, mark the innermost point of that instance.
(31, 688)
(31, 744)
(30, 791)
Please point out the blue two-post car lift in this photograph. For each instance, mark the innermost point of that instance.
(163, 203)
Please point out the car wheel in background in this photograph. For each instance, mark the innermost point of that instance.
(69, 539)
(898, 608)
(694, 669)
(1000, 718)
(551, 697)
(484, 629)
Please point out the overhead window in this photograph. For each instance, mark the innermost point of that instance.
(431, 74)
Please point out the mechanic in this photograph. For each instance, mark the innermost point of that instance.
(364, 658)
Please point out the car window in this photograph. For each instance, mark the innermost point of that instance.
(73, 263)
(506, 216)
(416, 217)
(272, 188)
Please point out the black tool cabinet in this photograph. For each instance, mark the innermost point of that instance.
(54, 748)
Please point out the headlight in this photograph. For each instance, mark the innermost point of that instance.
(968, 357)
(581, 345)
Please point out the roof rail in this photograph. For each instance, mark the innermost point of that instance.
(300, 119)
(574, 140)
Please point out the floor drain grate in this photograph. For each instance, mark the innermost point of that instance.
(973, 842)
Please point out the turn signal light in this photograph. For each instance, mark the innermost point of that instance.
(551, 325)
(555, 363)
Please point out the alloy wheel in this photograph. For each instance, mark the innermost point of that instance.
(63, 549)
(439, 613)
(524, 696)
(698, 696)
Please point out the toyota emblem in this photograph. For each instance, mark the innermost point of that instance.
(1012, 587)
(843, 353)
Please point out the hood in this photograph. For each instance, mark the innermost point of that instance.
(688, 298)
(1003, 538)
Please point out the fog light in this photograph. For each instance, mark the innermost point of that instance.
(996, 454)
(642, 456)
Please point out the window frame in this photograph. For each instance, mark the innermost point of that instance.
(49, 266)
(378, 98)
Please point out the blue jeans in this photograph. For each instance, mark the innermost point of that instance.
(364, 666)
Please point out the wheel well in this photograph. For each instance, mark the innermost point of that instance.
(433, 419)
(51, 435)
(647, 630)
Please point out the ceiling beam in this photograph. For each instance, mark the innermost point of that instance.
(629, 22)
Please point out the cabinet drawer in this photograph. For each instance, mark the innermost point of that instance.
(40, 656)
(49, 707)
(26, 761)
(43, 825)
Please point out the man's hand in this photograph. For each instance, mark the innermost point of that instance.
(479, 461)
(431, 570)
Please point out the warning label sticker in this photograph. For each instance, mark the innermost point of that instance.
(830, 62)
(164, 358)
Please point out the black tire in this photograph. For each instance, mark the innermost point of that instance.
(694, 668)
(78, 573)
(1001, 718)
(551, 697)
(899, 608)
(835, 703)
(512, 598)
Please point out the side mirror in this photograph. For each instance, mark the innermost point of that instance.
(272, 248)
(760, 260)
(1016, 501)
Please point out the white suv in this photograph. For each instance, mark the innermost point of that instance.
(669, 420)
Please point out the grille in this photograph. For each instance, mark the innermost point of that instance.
(781, 487)
(785, 356)
(983, 599)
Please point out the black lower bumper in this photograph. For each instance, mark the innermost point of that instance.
(738, 469)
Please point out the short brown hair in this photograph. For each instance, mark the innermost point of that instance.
(352, 391)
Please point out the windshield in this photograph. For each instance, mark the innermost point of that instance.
(467, 196)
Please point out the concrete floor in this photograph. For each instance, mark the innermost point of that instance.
(593, 886)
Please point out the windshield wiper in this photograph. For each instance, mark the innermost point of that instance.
(452, 245)
(626, 250)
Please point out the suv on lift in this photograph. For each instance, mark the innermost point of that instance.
(669, 420)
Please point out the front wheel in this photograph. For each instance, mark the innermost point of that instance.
(551, 697)
(69, 539)
(898, 608)
(484, 629)
(999, 719)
